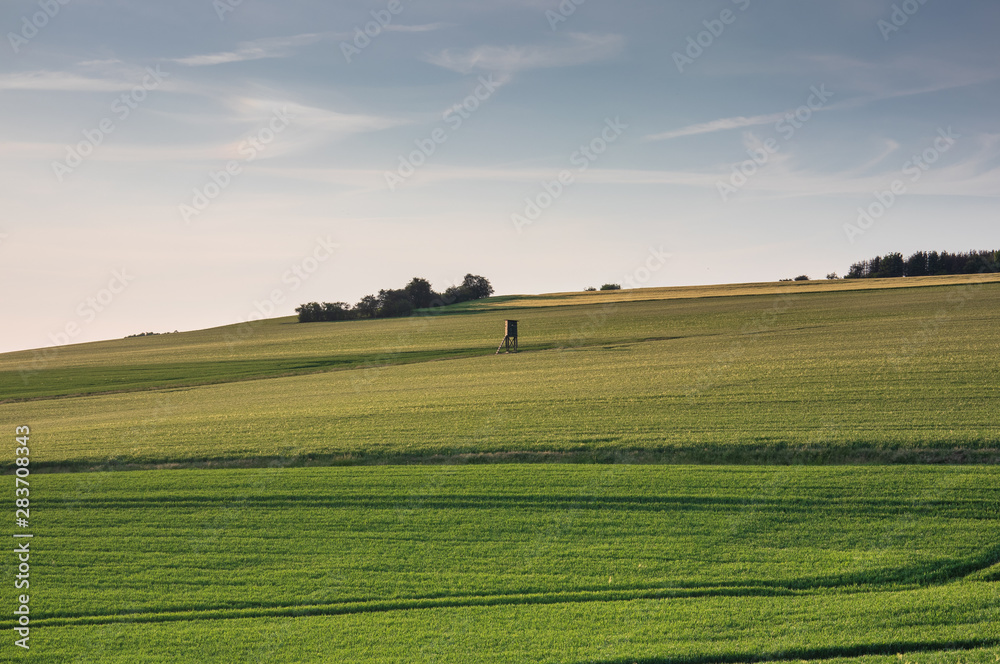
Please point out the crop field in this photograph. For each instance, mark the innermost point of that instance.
(543, 563)
(576, 320)
(900, 374)
(718, 474)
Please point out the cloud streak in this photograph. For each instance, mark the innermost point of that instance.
(902, 77)
(722, 124)
(426, 27)
(60, 81)
(975, 176)
(576, 49)
(259, 49)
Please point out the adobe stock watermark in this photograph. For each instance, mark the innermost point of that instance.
(931, 328)
(913, 169)
(454, 118)
(223, 7)
(562, 13)
(365, 375)
(30, 27)
(748, 335)
(87, 312)
(898, 17)
(122, 107)
(297, 274)
(641, 275)
(714, 27)
(786, 128)
(583, 158)
(202, 197)
(363, 35)
(654, 262)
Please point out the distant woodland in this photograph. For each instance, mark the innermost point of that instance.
(417, 294)
(925, 263)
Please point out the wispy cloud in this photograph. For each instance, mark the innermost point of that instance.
(315, 120)
(722, 124)
(310, 128)
(889, 147)
(99, 63)
(576, 49)
(426, 27)
(259, 49)
(901, 76)
(61, 81)
(975, 175)
(873, 82)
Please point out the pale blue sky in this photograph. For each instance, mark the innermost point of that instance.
(309, 138)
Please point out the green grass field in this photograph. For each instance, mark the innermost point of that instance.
(281, 346)
(280, 492)
(886, 374)
(544, 563)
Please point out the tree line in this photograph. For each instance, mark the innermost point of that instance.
(925, 263)
(396, 303)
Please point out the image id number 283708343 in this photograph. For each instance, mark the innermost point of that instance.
(22, 539)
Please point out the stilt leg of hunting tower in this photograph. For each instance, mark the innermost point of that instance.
(509, 344)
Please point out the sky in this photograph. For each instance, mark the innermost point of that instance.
(186, 164)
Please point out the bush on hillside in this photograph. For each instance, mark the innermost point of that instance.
(397, 303)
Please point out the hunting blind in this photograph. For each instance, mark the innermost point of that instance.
(509, 337)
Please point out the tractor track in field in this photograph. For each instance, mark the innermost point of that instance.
(883, 508)
(382, 606)
(930, 574)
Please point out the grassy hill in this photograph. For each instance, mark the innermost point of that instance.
(215, 548)
(796, 372)
(281, 346)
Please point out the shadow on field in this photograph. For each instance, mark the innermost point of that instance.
(892, 648)
(713, 455)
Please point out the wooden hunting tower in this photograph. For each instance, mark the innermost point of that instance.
(509, 337)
